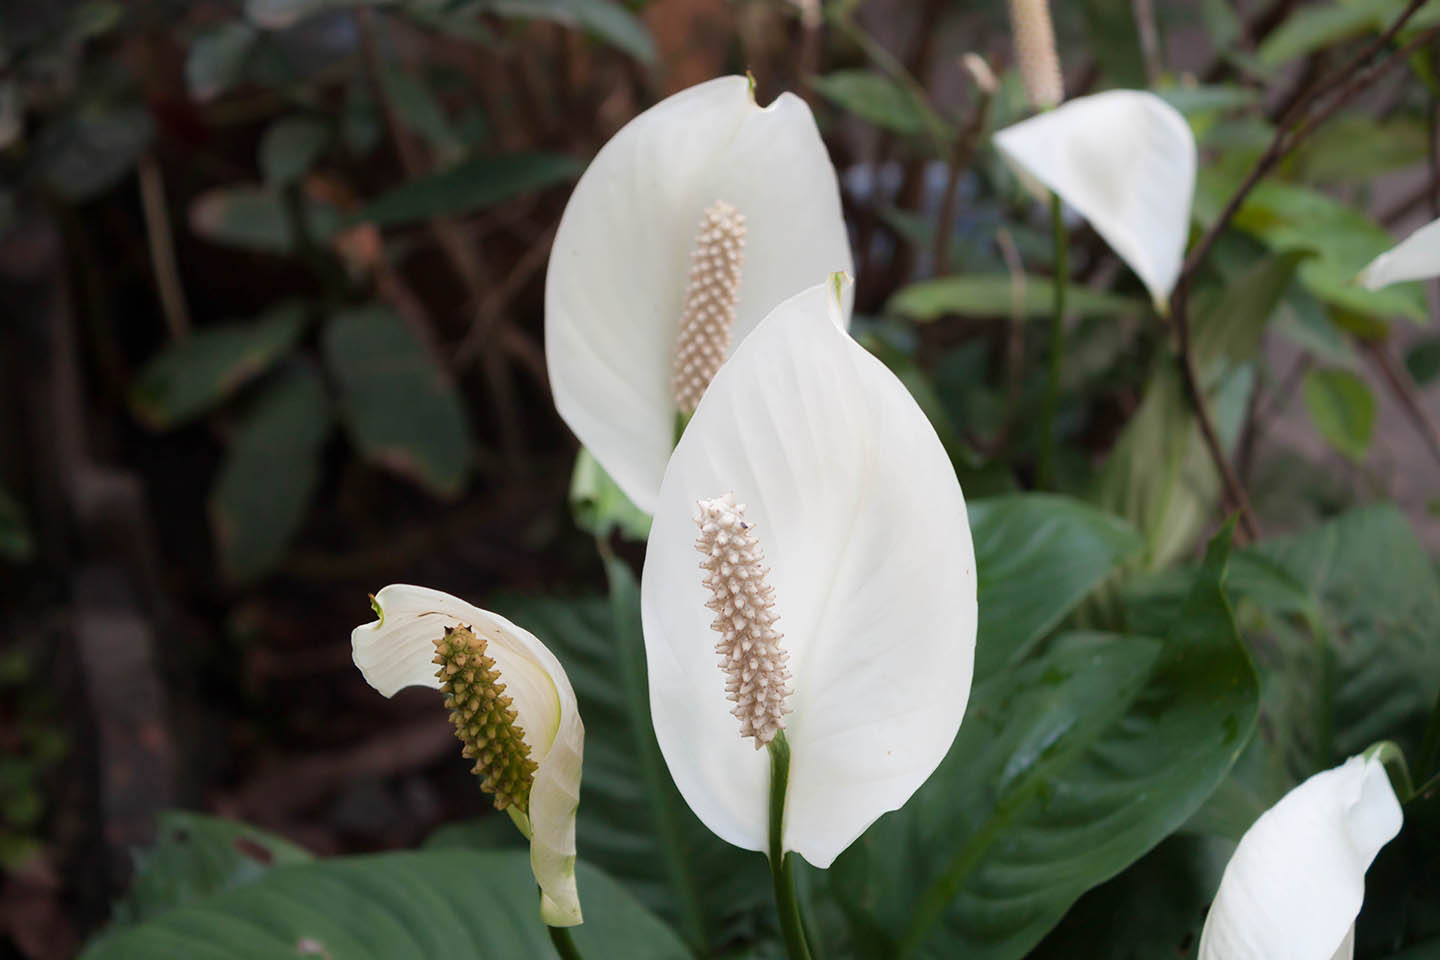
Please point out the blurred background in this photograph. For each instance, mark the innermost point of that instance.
(271, 303)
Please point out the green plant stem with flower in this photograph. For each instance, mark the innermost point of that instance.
(781, 868)
(1044, 474)
(564, 943)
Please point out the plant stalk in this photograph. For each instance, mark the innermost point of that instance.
(781, 867)
(1044, 474)
(564, 945)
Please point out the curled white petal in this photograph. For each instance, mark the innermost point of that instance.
(615, 289)
(1417, 257)
(864, 528)
(396, 651)
(1294, 886)
(1125, 159)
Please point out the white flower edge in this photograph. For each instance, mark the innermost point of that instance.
(397, 650)
(615, 287)
(864, 528)
(1417, 257)
(1125, 160)
(1297, 880)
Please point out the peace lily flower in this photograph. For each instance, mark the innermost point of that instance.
(692, 223)
(1125, 160)
(513, 709)
(1417, 257)
(1294, 886)
(832, 595)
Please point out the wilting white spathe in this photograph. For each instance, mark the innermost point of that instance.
(862, 524)
(398, 650)
(1417, 257)
(621, 263)
(1125, 160)
(1294, 886)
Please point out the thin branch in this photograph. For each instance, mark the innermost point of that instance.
(1398, 379)
(1292, 131)
(1149, 39)
(958, 162)
(162, 247)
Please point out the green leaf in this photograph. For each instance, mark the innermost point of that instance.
(216, 60)
(996, 296)
(1037, 556)
(1066, 770)
(1423, 361)
(194, 856)
(418, 108)
(874, 98)
(1315, 27)
(88, 149)
(475, 184)
(280, 14)
(396, 906)
(1160, 475)
(15, 543)
(399, 405)
(608, 20)
(598, 504)
(1357, 148)
(1209, 99)
(632, 820)
(254, 218)
(1342, 408)
(192, 376)
(271, 471)
(290, 148)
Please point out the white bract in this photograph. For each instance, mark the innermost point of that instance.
(1295, 884)
(1125, 160)
(1417, 257)
(833, 594)
(399, 650)
(706, 210)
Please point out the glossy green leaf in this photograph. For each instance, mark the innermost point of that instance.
(397, 402)
(632, 820)
(1357, 148)
(873, 97)
(1066, 770)
(1037, 556)
(270, 474)
(599, 505)
(608, 20)
(194, 856)
(192, 376)
(290, 147)
(215, 62)
(1316, 26)
(996, 296)
(396, 906)
(1343, 409)
(253, 217)
(417, 107)
(469, 186)
(1207, 99)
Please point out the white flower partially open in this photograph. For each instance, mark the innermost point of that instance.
(833, 594)
(1125, 159)
(1295, 884)
(704, 212)
(1417, 257)
(532, 757)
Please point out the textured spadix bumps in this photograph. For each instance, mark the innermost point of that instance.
(710, 299)
(1034, 37)
(620, 278)
(513, 708)
(869, 567)
(1295, 884)
(757, 679)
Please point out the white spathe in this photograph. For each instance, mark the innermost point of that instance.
(1294, 886)
(397, 650)
(864, 528)
(615, 290)
(1417, 257)
(1125, 160)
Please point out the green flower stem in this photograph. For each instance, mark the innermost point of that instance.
(1044, 474)
(781, 867)
(564, 945)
